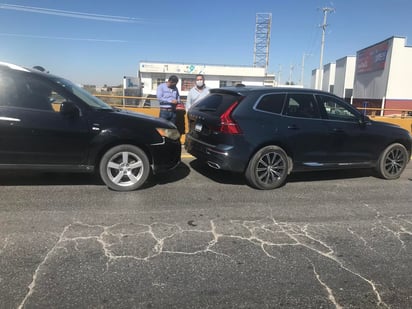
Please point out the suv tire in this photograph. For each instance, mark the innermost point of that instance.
(268, 168)
(392, 161)
(124, 168)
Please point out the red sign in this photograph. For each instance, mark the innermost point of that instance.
(372, 58)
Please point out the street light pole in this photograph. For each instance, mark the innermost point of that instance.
(302, 73)
(325, 10)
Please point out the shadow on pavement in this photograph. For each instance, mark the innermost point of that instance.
(33, 178)
(330, 175)
(180, 172)
(219, 176)
(225, 177)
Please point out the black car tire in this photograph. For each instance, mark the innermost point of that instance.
(268, 168)
(124, 168)
(392, 161)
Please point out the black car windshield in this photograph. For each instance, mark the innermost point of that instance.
(79, 92)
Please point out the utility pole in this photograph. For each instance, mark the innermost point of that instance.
(303, 68)
(291, 73)
(279, 74)
(325, 10)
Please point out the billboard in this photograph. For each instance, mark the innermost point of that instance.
(130, 82)
(372, 58)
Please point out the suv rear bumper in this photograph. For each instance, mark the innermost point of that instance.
(224, 157)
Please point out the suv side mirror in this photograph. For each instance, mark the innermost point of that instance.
(69, 109)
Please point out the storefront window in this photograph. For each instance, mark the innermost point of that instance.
(187, 83)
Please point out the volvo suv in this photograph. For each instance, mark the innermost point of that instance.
(267, 133)
(47, 123)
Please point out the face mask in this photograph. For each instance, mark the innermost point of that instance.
(199, 83)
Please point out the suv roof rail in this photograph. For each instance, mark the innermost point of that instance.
(13, 66)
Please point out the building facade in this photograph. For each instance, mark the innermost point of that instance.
(344, 77)
(152, 74)
(383, 74)
(377, 78)
(328, 77)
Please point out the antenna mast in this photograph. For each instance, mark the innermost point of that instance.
(262, 40)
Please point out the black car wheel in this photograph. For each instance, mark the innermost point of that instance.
(392, 161)
(268, 168)
(124, 168)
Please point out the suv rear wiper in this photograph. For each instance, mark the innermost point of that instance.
(205, 109)
(105, 109)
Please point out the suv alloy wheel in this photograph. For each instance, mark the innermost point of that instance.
(268, 168)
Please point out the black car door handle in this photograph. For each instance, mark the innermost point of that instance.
(293, 127)
(337, 130)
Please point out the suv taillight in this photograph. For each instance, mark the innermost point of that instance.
(227, 124)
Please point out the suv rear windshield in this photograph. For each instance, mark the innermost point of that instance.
(216, 103)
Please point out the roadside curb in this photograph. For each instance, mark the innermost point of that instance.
(184, 154)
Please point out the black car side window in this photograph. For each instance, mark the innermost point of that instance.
(28, 92)
(301, 105)
(8, 90)
(272, 103)
(336, 110)
(36, 94)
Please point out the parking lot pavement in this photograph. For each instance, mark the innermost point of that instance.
(199, 238)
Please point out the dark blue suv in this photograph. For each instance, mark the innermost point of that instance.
(267, 133)
(49, 124)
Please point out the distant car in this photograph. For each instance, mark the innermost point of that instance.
(267, 133)
(47, 123)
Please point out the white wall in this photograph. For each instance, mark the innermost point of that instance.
(328, 76)
(400, 74)
(174, 68)
(213, 74)
(314, 79)
(344, 75)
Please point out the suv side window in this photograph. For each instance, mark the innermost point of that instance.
(216, 103)
(272, 103)
(336, 110)
(301, 105)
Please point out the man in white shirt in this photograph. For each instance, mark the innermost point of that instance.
(197, 92)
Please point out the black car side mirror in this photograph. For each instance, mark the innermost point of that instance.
(364, 120)
(69, 109)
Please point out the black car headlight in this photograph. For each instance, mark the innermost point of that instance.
(169, 133)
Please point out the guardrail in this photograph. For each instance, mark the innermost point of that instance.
(374, 111)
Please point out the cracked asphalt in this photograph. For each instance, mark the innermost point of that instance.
(198, 238)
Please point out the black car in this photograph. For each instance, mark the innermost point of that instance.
(49, 124)
(267, 133)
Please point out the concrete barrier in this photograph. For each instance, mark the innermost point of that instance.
(405, 122)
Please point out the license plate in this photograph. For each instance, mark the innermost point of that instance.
(198, 127)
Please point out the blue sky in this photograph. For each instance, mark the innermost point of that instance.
(98, 42)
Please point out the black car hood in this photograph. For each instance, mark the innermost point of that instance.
(127, 115)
